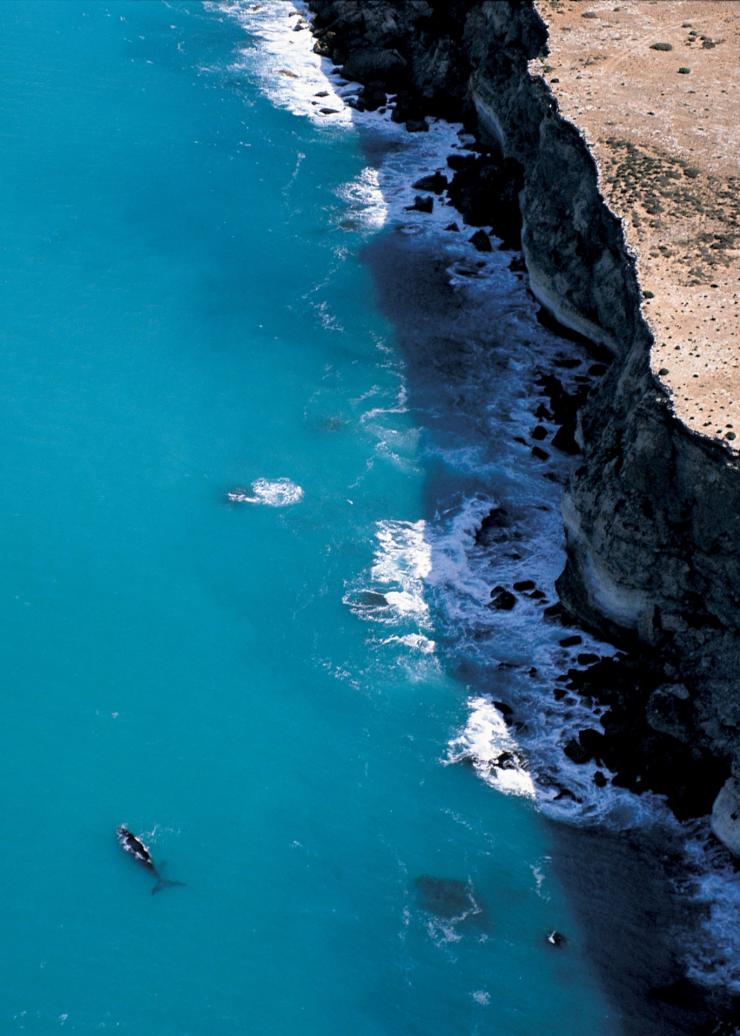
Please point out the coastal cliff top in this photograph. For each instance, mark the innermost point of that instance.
(653, 87)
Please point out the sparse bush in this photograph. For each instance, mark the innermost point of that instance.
(661, 46)
(683, 71)
(648, 295)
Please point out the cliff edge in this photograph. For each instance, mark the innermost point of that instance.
(652, 553)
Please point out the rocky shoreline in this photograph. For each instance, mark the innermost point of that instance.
(652, 559)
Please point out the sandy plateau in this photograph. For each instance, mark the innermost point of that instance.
(653, 86)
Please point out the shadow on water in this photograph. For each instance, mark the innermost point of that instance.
(462, 372)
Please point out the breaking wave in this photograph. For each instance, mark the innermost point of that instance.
(280, 492)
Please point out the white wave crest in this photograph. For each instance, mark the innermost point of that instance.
(279, 492)
(394, 595)
(416, 641)
(486, 743)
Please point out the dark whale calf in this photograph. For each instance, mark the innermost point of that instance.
(136, 848)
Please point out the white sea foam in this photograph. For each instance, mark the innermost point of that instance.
(279, 492)
(365, 205)
(416, 641)
(289, 72)
(714, 885)
(486, 743)
(395, 594)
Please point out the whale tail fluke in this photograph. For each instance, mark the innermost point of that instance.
(165, 883)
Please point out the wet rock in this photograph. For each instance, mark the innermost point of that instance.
(564, 406)
(592, 741)
(491, 527)
(538, 595)
(373, 95)
(571, 641)
(482, 241)
(453, 226)
(375, 63)
(436, 183)
(641, 757)
(502, 600)
(556, 938)
(506, 710)
(422, 203)
(600, 779)
(566, 793)
(587, 658)
(458, 162)
(555, 613)
(524, 584)
(485, 188)
(564, 439)
(539, 433)
(589, 745)
(539, 453)
(329, 111)
(417, 125)
(575, 750)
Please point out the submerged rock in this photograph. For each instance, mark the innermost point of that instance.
(376, 63)
(502, 600)
(446, 897)
(435, 182)
(492, 526)
(482, 241)
(422, 203)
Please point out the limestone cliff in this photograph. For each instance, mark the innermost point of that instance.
(652, 552)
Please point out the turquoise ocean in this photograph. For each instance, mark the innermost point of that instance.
(288, 695)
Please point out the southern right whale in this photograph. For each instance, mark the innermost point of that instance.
(133, 845)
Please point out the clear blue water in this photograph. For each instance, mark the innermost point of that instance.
(173, 287)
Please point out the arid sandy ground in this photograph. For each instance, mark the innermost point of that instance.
(662, 122)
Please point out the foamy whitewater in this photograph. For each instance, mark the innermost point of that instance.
(279, 492)
(431, 579)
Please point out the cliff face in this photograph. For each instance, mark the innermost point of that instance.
(649, 513)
